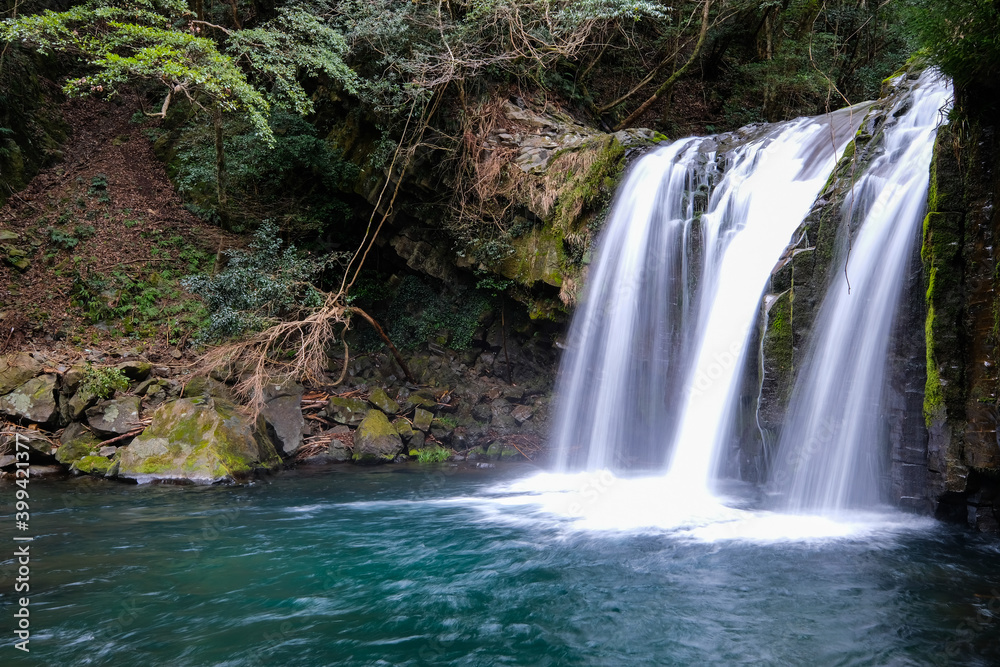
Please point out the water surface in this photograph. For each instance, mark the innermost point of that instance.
(417, 565)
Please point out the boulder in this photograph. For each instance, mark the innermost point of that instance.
(404, 429)
(376, 440)
(422, 419)
(198, 440)
(482, 412)
(115, 417)
(522, 413)
(208, 388)
(494, 450)
(33, 401)
(77, 442)
(442, 429)
(79, 402)
(381, 400)
(135, 370)
(417, 440)
(339, 451)
(504, 423)
(45, 471)
(39, 448)
(92, 465)
(350, 411)
(500, 407)
(16, 369)
(499, 451)
(72, 378)
(283, 412)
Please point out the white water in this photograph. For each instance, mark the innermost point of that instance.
(601, 502)
(655, 348)
(761, 201)
(831, 450)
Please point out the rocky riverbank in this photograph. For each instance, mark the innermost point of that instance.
(124, 418)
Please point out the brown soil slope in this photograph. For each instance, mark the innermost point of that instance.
(102, 240)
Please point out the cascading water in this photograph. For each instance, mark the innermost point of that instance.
(830, 452)
(655, 349)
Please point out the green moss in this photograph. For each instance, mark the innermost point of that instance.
(778, 349)
(538, 256)
(444, 421)
(589, 188)
(190, 439)
(933, 392)
(156, 465)
(93, 465)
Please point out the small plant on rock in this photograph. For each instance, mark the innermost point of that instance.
(103, 381)
(433, 455)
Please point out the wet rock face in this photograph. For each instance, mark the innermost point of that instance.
(799, 283)
(202, 441)
(962, 392)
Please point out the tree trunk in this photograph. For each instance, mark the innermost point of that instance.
(634, 116)
(220, 161)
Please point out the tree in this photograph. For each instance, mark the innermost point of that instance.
(963, 38)
(224, 71)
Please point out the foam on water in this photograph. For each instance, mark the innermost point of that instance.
(604, 503)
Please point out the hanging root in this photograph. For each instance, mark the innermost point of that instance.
(290, 352)
(285, 352)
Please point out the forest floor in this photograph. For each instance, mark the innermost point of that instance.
(102, 241)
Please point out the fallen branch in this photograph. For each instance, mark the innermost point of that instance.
(123, 436)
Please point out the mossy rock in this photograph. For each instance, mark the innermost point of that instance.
(114, 417)
(135, 370)
(92, 465)
(494, 450)
(77, 442)
(376, 440)
(16, 369)
(350, 411)
(208, 388)
(33, 401)
(203, 441)
(404, 429)
(380, 399)
(79, 402)
(422, 419)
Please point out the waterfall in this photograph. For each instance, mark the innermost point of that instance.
(830, 454)
(655, 349)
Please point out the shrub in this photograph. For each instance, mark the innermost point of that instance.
(103, 382)
(259, 285)
(961, 36)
